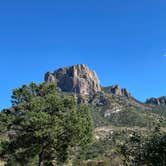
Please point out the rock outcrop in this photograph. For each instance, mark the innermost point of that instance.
(125, 92)
(116, 90)
(157, 101)
(78, 79)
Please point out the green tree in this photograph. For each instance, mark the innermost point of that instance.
(145, 151)
(45, 126)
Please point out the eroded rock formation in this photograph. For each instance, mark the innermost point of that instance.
(116, 90)
(78, 79)
(157, 101)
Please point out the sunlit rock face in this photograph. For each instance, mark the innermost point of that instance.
(78, 79)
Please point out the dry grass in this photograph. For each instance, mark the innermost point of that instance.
(2, 163)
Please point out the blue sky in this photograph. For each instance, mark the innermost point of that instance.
(124, 41)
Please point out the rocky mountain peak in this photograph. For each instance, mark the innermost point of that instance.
(78, 79)
(157, 101)
(116, 90)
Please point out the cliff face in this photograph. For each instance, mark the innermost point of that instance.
(78, 78)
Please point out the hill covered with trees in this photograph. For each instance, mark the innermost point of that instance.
(71, 119)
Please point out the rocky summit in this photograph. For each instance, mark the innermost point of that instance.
(116, 90)
(157, 101)
(78, 79)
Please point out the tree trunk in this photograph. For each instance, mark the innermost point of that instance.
(40, 159)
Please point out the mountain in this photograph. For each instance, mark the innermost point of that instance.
(78, 79)
(118, 116)
(112, 105)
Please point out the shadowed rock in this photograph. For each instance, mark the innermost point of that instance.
(157, 101)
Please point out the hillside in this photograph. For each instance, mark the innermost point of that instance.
(117, 114)
(72, 106)
(113, 105)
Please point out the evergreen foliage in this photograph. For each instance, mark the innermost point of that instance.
(43, 126)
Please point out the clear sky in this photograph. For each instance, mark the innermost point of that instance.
(124, 41)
